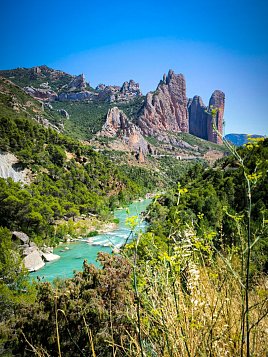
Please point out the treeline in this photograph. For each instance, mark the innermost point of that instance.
(180, 289)
(68, 179)
(214, 203)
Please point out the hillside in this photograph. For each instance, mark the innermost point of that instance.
(164, 111)
(67, 178)
(183, 288)
(36, 76)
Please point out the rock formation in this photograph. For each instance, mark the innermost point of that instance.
(166, 108)
(118, 125)
(64, 113)
(111, 94)
(77, 84)
(40, 93)
(201, 122)
(33, 257)
(197, 117)
(9, 168)
(217, 101)
(162, 114)
(76, 96)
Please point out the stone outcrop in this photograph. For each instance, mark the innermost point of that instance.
(217, 101)
(197, 117)
(64, 113)
(166, 108)
(76, 96)
(9, 168)
(77, 84)
(40, 93)
(127, 92)
(200, 119)
(33, 258)
(118, 125)
(41, 120)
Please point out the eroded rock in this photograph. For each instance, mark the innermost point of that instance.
(166, 108)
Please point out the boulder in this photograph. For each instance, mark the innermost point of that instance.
(50, 257)
(33, 261)
(64, 113)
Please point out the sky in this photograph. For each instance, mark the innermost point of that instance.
(215, 44)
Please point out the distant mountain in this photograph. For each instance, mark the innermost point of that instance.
(166, 116)
(240, 139)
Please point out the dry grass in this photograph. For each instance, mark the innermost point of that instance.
(199, 315)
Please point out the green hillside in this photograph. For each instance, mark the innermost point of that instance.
(193, 285)
(35, 76)
(86, 118)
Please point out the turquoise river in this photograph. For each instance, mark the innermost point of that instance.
(73, 254)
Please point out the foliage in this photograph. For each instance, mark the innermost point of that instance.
(85, 118)
(29, 77)
(214, 197)
(86, 313)
(70, 179)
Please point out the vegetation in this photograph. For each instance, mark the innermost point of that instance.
(70, 179)
(86, 118)
(195, 284)
(24, 77)
(132, 109)
(202, 144)
(181, 289)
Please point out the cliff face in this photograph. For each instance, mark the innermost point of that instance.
(197, 117)
(201, 122)
(163, 112)
(125, 93)
(166, 109)
(118, 125)
(217, 100)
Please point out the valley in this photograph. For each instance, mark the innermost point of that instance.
(183, 273)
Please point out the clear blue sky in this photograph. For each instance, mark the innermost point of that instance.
(215, 44)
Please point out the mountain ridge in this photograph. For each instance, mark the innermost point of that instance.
(161, 114)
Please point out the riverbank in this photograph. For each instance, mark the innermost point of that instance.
(73, 253)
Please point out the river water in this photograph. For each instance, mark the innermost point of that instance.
(73, 254)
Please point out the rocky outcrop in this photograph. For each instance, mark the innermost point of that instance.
(33, 258)
(76, 96)
(201, 121)
(64, 113)
(127, 92)
(118, 125)
(40, 93)
(77, 84)
(41, 120)
(166, 108)
(217, 101)
(197, 117)
(9, 168)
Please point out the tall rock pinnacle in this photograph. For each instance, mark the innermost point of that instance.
(197, 117)
(217, 100)
(166, 108)
(201, 122)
